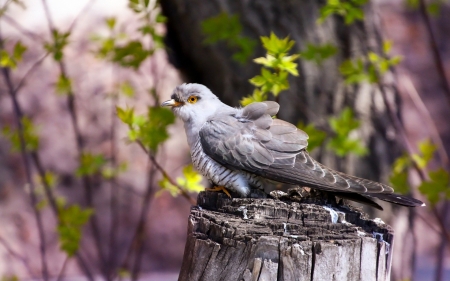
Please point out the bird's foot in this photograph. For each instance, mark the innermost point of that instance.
(219, 188)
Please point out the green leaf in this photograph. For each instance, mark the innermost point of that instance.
(412, 4)
(276, 46)
(318, 53)
(344, 123)
(127, 89)
(6, 60)
(132, 54)
(342, 146)
(427, 149)
(436, 187)
(126, 115)
(353, 71)
(30, 136)
(401, 164)
(257, 96)
(56, 47)
(316, 137)
(70, 223)
(228, 28)
(191, 182)
(111, 22)
(90, 164)
(64, 85)
(351, 10)
(434, 8)
(399, 181)
(387, 46)
(153, 131)
(221, 27)
(18, 51)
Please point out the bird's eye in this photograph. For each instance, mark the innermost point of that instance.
(192, 99)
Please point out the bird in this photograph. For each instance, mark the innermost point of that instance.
(240, 149)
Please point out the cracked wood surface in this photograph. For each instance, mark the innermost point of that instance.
(266, 239)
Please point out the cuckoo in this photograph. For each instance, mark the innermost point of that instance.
(240, 149)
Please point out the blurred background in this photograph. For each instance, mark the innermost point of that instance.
(95, 179)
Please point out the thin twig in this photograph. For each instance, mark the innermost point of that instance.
(166, 175)
(140, 229)
(19, 115)
(80, 148)
(33, 36)
(80, 14)
(17, 256)
(435, 50)
(63, 269)
(29, 72)
(431, 125)
(115, 199)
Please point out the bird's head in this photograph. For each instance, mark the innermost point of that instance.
(193, 102)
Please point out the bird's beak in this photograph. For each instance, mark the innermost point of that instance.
(172, 103)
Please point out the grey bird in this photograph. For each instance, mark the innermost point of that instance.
(244, 148)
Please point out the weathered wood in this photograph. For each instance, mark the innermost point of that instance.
(269, 239)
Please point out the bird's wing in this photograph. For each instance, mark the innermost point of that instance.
(274, 149)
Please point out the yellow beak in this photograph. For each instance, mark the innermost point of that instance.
(172, 103)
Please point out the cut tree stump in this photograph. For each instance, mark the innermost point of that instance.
(270, 239)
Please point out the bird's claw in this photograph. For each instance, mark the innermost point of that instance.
(219, 188)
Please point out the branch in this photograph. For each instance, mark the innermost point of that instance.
(80, 147)
(166, 175)
(435, 50)
(19, 115)
(17, 256)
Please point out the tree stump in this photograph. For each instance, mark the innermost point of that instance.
(271, 239)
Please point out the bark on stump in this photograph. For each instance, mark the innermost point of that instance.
(270, 239)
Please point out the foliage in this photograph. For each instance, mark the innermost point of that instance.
(150, 130)
(435, 188)
(11, 60)
(342, 144)
(191, 181)
(350, 10)
(228, 28)
(401, 166)
(90, 164)
(70, 223)
(56, 46)
(433, 7)
(280, 62)
(318, 53)
(30, 136)
(316, 136)
(340, 141)
(369, 68)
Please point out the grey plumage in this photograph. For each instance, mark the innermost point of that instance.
(243, 148)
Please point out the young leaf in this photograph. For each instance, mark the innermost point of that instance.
(64, 85)
(154, 131)
(90, 164)
(437, 186)
(257, 96)
(318, 53)
(70, 223)
(30, 136)
(316, 137)
(191, 182)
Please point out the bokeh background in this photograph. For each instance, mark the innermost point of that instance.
(141, 232)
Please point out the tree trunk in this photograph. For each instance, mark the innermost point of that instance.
(269, 239)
